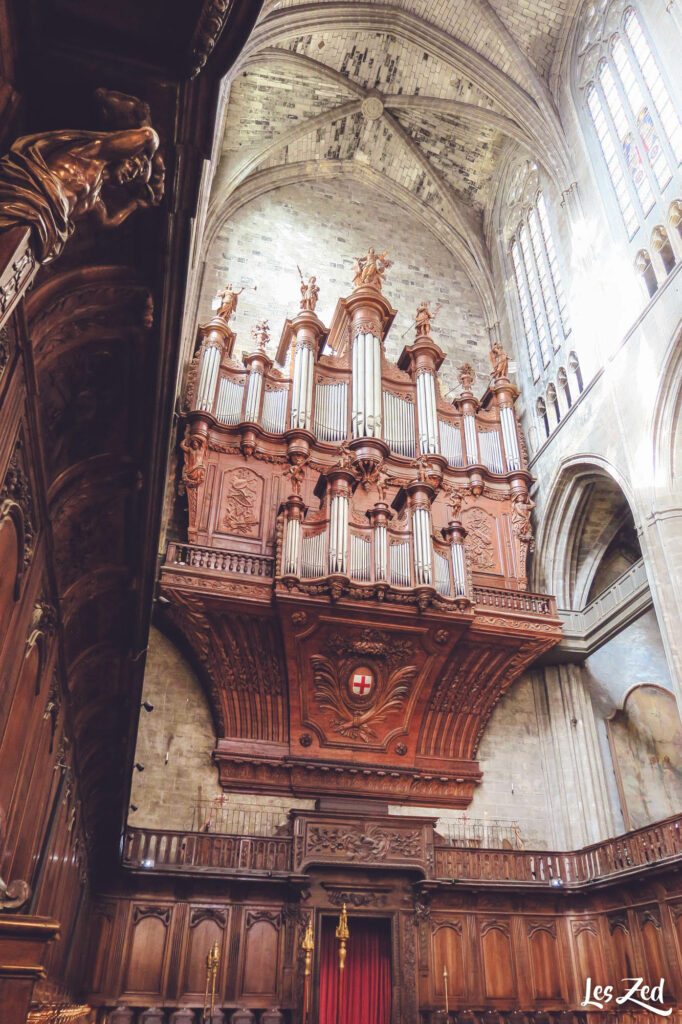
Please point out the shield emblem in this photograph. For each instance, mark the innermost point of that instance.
(362, 681)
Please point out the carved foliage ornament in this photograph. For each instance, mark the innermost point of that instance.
(372, 843)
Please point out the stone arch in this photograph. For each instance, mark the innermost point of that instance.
(587, 505)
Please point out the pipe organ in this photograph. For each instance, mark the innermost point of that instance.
(382, 530)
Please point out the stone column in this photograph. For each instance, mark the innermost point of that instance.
(575, 769)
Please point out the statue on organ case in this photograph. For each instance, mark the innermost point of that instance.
(499, 361)
(194, 470)
(228, 302)
(466, 376)
(370, 269)
(424, 317)
(309, 292)
(261, 333)
(520, 516)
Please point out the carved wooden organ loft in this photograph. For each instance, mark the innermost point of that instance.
(354, 585)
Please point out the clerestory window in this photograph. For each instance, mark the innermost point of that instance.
(635, 120)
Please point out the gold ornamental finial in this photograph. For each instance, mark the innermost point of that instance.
(342, 934)
(308, 945)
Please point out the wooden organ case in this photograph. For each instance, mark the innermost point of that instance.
(353, 587)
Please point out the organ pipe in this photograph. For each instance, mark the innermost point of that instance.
(471, 440)
(338, 534)
(302, 390)
(254, 390)
(366, 391)
(426, 410)
(510, 438)
(208, 377)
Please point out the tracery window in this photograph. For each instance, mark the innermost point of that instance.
(540, 289)
(634, 118)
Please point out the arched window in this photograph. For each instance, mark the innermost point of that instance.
(575, 373)
(660, 243)
(541, 410)
(675, 216)
(553, 403)
(539, 285)
(645, 269)
(633, 115)
(562, 381)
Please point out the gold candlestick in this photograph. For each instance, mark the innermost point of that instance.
(308, 945)
(445, 983)
(212, 961)
(342, 934)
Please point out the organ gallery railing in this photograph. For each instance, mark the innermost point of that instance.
(659, 844)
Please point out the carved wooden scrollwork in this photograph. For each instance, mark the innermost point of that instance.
(201, 914)
(152, 910)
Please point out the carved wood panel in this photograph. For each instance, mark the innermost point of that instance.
(588, 951)
(147, 946)
(207, 925)
(261, 954)
(545, 961)
(497, 959)
(449, 950)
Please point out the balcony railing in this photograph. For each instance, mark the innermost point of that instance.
(515, 601)
(193, 556)
(659, 844)
(197, 851)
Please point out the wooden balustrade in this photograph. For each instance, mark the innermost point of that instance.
(194, 556)
(515, 600)
(654, 844)
(187, 851)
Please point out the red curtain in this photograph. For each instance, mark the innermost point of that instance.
(366, 985)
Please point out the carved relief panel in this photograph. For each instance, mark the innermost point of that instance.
(358, 686)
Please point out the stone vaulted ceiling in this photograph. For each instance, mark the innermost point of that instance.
(420, 98)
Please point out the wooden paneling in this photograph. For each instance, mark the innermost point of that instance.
(207, 925)
(447, 949)
(545, 961)
(261, 954)
(587, 949)
(147, 946)
(503, 952)
(499, 974)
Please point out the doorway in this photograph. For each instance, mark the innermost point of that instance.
(364, 996)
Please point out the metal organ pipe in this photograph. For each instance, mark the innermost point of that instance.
(471, 439)
(366, 397)
(421, 527)
(380, 552)
(292, 547)
(254, 391)
(338, 534)
(426, 410)
(458, 572)
(208, 376)
(302, 394)
(510, 438)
